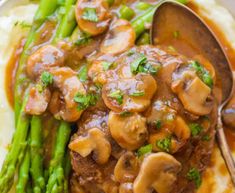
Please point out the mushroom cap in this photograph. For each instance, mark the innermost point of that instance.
(95, 141)
(37, 101)
(42, 59)
(187, 88)
(120, 38)
(91, 27)
(67, 82)
(129, 132)
(126, 168)
(158, 171)
(141, 83)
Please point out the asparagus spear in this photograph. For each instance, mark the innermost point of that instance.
(22, 120)
(56, 170)
(57, 175)
(17, 147)
(139, 23)
(23, 173)
(45, 9)
(36, 154)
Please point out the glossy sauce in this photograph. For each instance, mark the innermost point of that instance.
(209, 184)
(11, 72)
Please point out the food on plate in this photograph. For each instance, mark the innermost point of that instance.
(99, 109)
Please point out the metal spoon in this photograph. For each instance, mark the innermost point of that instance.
(174, 18)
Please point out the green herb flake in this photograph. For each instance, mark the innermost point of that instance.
(164, 144)
(22, 24)
(125, 114)
(202, 73)
(130, 53)
(176, 34)
(158, 124)
(46, 78)
(89, 14)
(195, 129)
(117, 95)
(194, 175)
(141, 59)
(82, 41)
(84, 101)
(137, 93)
(82, 75)
(144, 150)
(206, 137)
(106, 65)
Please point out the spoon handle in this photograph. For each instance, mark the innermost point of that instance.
(225, 150)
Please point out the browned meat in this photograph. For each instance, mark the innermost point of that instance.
(145, 103)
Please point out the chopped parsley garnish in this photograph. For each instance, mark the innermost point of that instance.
(144, 150)
(158, 124)
(82, 41)
(141, 64)
(89, 14)
(22, 24)
(202, 73)
(106, 65)
(194, 175)
(130, 53)
(46, 78)
(206, 137)
(195, 129)
(83, 74)
(84, 101)
(138, 93)
(125, 114)
(117, 95)
(176, 34)
(164, 144)
(137, 62)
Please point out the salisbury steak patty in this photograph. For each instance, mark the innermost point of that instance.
(152, 129)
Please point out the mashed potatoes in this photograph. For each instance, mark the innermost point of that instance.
(10, 32)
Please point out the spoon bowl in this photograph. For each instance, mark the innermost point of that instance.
(176, 25)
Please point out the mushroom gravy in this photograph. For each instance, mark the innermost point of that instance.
(97, 117)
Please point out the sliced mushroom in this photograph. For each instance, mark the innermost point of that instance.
(187, 88)
(126, 168)
(158, 172)
(99, 72)
(37, 101)
(177, 133)
(129, 132)
(120, 38)
(42, 59)
(96, 142)
(134, 94)
(66, 80)
(98, 22)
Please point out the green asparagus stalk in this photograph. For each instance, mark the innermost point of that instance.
(22, 120)
(15, 153)
(23, 173)
(36, 154)
(45, 9)
(67, 169)
(140, 22)
(56, 170)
